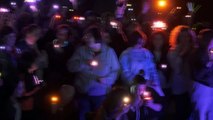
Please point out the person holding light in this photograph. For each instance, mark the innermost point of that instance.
(96, 67)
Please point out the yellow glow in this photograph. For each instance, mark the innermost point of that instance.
(161, 3)
(54, 99)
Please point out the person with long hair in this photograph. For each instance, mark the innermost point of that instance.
(179, 57)
(159, 46)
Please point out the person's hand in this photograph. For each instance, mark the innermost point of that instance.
(149, 103)
(153, 106)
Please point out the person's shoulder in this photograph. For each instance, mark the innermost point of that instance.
(127, 51)
(148, 53)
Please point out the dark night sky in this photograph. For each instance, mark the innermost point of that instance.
(204, 14)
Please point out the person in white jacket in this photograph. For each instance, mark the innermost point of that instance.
(96, 67)
(136, 59)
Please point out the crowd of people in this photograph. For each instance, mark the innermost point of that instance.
(103, 67)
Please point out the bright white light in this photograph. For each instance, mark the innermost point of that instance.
(159, 25)
(126, 99)
(30, 1)
(164, 66)
(56, 46)
(55, 6)
(94, 63)
(113, 23)
(13, 3)
(81, 18)
(130, 9)
(188, 16)
(2, 47)
(145, 93)
(33, 8)
(4, 10)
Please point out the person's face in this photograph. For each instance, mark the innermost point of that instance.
(11, 39)
(210, 50)
(33, 37)
(158, 41)
(62, 34)
(90, 42)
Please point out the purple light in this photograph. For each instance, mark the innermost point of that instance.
(55, 6)
(30, 1)
(33, 8)
(2, 47)
(4, 10)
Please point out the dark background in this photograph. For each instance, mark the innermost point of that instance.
(204, 14)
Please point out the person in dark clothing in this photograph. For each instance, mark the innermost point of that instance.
(203, 74)
(116, 105)
(8, 73)
(59, 51)
(30, 65)
(148, 104)
(159, 47)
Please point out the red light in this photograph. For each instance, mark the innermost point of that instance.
(58, 16)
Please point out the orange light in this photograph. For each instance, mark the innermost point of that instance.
(54, 99)
(58, 16)
(162, 3)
